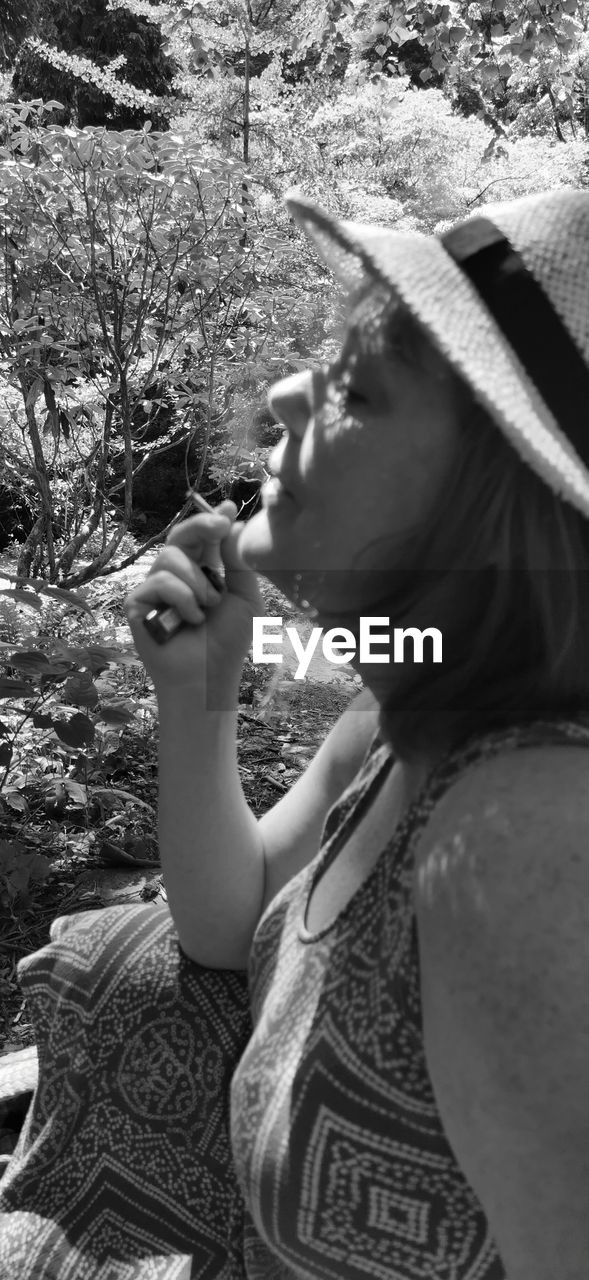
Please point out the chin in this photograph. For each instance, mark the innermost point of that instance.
(256, 545)
(265, 551)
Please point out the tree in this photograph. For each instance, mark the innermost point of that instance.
(153, 289)
(121, 265)
(483, 56)
(476, 52)
(106, 66)
(14, 25)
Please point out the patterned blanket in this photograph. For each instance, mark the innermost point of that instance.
(123, 1168)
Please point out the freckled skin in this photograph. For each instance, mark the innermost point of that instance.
(502, 909)
(365, 471)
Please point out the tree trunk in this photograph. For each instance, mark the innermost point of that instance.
(212, 371)
(41, 536)
(557, 127)
(246, 138)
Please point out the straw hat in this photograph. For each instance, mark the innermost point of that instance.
(505, 296)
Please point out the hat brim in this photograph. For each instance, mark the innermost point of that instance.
(441, 297)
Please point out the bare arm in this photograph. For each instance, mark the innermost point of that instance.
(291, 830)
(502, 900)
(221, 865)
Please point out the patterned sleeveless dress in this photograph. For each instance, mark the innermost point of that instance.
(166, 1142)
(337, 1142)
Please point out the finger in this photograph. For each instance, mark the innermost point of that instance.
(200, 537)
(199, 533)
(227, 508)
(230, 550)
(240, 579)
(214, 577)
(200, 578)
(160, 588)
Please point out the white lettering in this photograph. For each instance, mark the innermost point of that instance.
(339, 644)
(332, 646)
(418, 639)
(259, 626)
(366, 639)
(302, 652)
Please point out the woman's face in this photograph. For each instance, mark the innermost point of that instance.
(368, 444)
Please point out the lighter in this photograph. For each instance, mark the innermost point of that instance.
(164, 621)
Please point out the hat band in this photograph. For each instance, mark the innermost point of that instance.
(528, 320)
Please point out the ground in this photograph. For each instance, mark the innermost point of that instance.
(282, 721)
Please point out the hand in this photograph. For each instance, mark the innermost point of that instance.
(207, 655)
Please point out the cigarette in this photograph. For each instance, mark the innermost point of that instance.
(200, 502)
(163, 622)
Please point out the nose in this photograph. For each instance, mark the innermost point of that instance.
(291, 401)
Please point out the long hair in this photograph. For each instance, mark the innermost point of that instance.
(501, 567)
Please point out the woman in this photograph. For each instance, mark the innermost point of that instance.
(412, 1099)
(384, 1125)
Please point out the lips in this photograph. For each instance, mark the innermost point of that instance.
(287, 483)
(275, 492)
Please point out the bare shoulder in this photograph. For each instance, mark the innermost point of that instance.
(507, 848)
(523, 792)
(502, 906)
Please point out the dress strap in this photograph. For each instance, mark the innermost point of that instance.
(573, 732)
(377, 755)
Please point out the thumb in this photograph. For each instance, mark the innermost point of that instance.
(227, 508)
(240, 579)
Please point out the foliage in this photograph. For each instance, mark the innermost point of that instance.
(51, 70)
(475, 53)
(60, 732)
(152, 283)
(396, 134)
(19, 19)
(153, 286)
(78, 739)
(13, 27)
(122, 263)
(105, 67)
